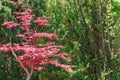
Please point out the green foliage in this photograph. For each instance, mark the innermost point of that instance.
(89, 31)
(116, 5)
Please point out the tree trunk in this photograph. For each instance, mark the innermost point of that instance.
(97, 37)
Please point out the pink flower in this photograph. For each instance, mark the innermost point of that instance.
(21, 35)
(44, 35)
(39, 68)
(41, 22)
(66, 67)
(10, 24)
(5, 48)
(64, 56)
(16, 3)
(50, 43)
(24, 19)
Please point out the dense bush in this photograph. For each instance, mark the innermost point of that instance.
(89, 30)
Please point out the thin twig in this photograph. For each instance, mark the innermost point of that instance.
(14, 54)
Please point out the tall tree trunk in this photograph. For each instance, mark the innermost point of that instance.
(87, 29)
(97, 37)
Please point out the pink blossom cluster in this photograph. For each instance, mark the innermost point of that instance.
(44, 35)
(24, 19)
(41, 22)
(10, 24)
(34, 55)
(38, 57)
(5, 48)
(31, 37)
(16, 3)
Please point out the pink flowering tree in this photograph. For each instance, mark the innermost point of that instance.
(33, 56)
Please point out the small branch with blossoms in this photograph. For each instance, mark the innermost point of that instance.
(35, 55)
